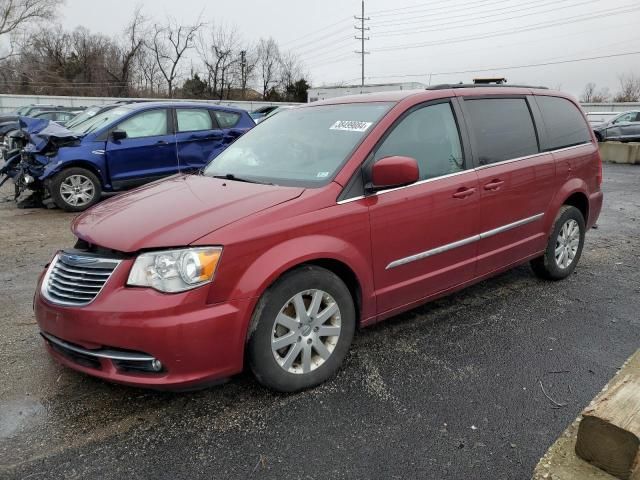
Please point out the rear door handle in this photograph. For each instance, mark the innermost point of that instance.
(162, 142)
(494, 185)
(464, 192)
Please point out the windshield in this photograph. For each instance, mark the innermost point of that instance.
(98, 121)
(84, 116)
(304, 146)
(22, 110)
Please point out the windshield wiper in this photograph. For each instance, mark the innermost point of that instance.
(231, 176)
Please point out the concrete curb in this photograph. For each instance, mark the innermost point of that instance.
(618, 152)
(561, 462)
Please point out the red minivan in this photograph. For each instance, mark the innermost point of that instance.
(327, 217)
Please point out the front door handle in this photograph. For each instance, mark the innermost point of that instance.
(162, 142)
(494, 185)
(464, 192)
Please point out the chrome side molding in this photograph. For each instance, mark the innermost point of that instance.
(463, 242)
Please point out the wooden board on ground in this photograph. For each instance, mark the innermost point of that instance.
(609, 433)
(560, 462)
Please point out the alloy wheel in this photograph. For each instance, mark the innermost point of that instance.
(306, 331)
(567, 243)
(77, 190)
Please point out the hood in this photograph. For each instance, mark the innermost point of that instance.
(43, 132)
(175, 212)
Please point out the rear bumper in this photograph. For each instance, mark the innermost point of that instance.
(196, 343)
(595, 207)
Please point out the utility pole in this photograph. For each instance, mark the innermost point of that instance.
(362, 38)
(243, 71)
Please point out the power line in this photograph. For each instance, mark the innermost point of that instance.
(511, 67)
(305, 46)
(537, 26)
(312, 33)
(492, 16)
(362, 38)
(446, 14)
(421, 8)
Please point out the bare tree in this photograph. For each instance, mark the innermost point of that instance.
(588, 92)
(268, 63)
(17, 14)
(148, 73)
(601, 96)
(169, 44)
(629, 88)
(290, 70)
(125, 52)
(219, 50)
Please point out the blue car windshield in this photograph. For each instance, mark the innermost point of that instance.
(301, 146)
(99, 121)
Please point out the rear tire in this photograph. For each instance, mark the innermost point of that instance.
(564, 246)
(301, 330)
(75, 189)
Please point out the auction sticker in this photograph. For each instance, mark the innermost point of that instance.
(351, 125)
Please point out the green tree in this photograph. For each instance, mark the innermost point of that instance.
(194, 87)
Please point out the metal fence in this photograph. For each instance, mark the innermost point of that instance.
(9, 103)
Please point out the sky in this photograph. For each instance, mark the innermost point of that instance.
(436, 41)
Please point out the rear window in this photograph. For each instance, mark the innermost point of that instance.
(564, 123)
(502, 129)
(227, 119)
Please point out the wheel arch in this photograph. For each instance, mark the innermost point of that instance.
(331, 253)
(574, 193)
(579, 200)
(50, 173)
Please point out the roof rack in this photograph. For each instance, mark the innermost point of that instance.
(444, 86)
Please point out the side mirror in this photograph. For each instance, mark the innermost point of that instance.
(394, 171)
(117, 135)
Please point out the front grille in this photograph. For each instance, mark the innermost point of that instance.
(76, 279)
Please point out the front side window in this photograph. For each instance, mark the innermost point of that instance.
(430, 136)
(302, 146)
(627, 117)
(227, 119)
(192, 120)
(564, 123)
(145, 124)
(502, 129)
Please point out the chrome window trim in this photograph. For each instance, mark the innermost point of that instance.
(463, 242)
(102, 353)
(481, 167)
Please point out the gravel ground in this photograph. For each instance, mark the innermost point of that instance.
(449, 390)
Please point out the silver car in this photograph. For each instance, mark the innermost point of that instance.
(624, 127)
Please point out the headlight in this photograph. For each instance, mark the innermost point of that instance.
(175, 270)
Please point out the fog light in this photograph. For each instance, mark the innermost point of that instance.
(156, 365)
(28, 179)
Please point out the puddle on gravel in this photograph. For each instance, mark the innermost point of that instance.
(19, 414)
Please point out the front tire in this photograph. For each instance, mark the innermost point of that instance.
(75, 189)
(564, 246)
(301, 330)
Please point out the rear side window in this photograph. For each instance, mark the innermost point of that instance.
(226, 119)
(564, 123)
(430, 136)
(192, 120)
(502, 129)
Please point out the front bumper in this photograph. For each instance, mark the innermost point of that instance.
(196, 343)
